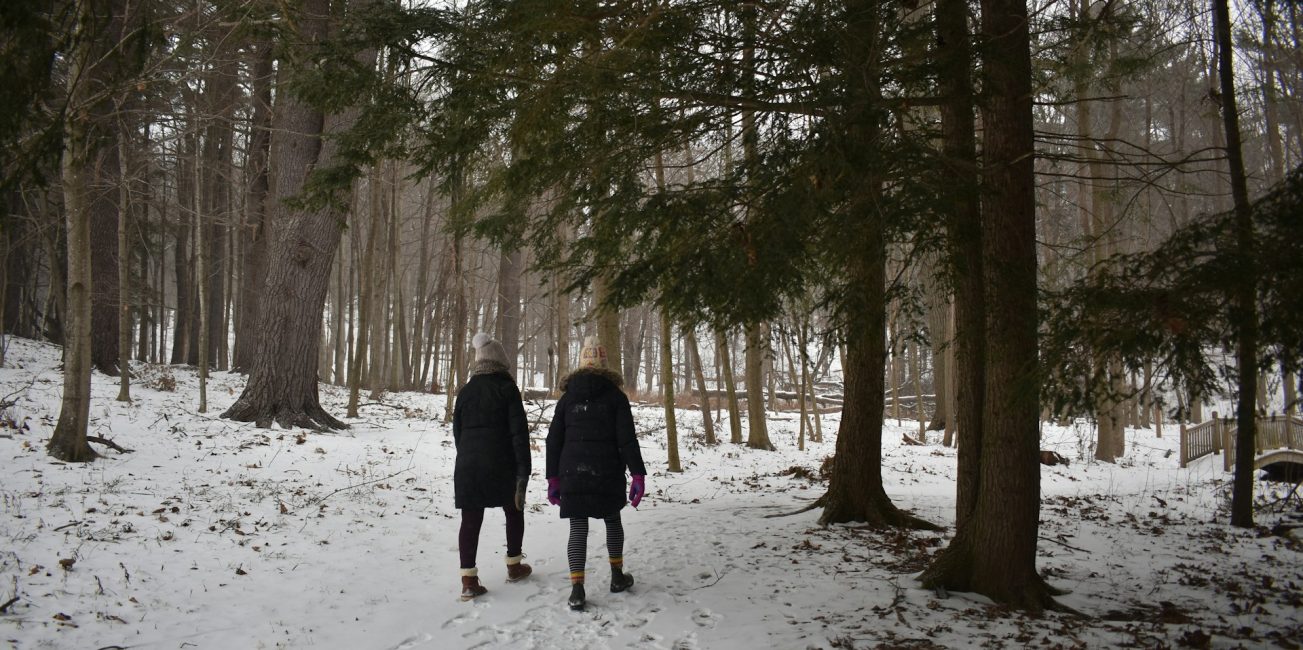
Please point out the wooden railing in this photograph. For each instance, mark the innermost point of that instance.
(1200, 440)
(1218, 435)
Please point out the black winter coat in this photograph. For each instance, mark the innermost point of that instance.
(492, 438)
(591, 443)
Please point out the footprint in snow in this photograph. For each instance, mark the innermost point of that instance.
(686, 643)
(705, 618)
(413, 641)
(460, 619)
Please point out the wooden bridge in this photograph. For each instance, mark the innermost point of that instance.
(1279, 439)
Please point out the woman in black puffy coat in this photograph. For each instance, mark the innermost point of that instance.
(492, 438)
(590, 444)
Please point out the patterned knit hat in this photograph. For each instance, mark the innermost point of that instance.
(487, 349)
(592, 355)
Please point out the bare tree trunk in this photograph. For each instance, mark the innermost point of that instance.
(339, 363)
(366, 296)
(994, 552)
(124, 267)
(510, 267)
(915, 367)
(68, 442)
(608, 324)
(201, 272)
(941, 342)
(421, 301)
(255, 232)
(757, 427)
(1244, 310)
(562, 308)
(706, 424)
(377, 271)
(667, 388)
(964, 243)
(456, 362)
(730, 387)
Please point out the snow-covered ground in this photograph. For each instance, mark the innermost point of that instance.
(213, 534)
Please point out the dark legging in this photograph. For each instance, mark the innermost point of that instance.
(468, 540)
(577, 550)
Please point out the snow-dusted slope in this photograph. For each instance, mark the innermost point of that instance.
(213, 534)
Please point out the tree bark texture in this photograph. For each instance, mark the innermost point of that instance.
(1244, 311)
(608, 325)
(730, 386)
(707, 424)
(757, 426)
(510, 266)
(667, 386)
(994, 552)
(964, 242)
(283, 384)
(255, 231)
(68, 442)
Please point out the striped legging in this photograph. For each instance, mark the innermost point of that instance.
(577, 549)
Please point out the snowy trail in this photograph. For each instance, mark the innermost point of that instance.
(219, 535)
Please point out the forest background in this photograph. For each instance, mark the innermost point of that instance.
(1003, 213)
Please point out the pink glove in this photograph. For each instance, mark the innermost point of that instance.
(637, 488)
(554, 491)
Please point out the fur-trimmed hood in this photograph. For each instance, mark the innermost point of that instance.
(581, 373)
(489, 367)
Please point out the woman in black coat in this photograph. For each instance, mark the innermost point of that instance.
(590, 444)
(492, 438)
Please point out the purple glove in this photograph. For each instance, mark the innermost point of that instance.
(554, 491)
(637, 488)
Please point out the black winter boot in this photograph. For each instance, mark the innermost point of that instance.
(577, 598)
(620, 580)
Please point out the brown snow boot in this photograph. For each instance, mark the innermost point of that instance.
(470, 584)
(517, 570)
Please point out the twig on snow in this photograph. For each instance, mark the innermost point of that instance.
(1063, 544)
(7, 603)
(392, 406)
(109, 443)
(313, 502)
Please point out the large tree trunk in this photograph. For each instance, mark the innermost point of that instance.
(81, 147)
(964, 243)
(182, 275)
(220, 98)
(855, 491)
(103, 204)
(1244, 311)
(283, 384)
(994, 552)
(255, 230)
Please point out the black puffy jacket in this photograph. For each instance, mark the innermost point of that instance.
(492, 437)
(591, 443)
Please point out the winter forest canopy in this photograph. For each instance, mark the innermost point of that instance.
(1001, 221)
